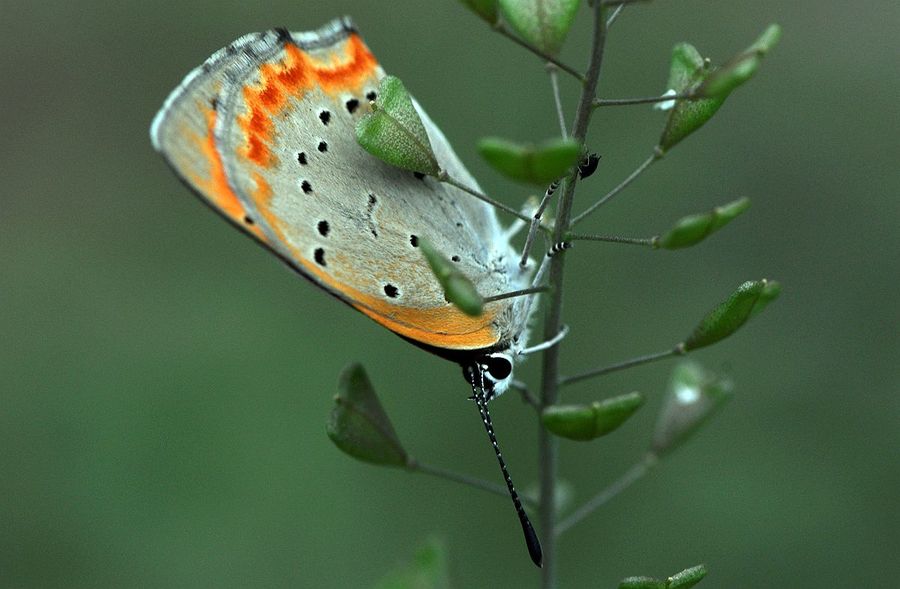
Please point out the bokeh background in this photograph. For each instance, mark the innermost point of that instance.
(164, 383)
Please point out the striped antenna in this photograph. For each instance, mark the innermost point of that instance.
(531, 539)
(559, 246)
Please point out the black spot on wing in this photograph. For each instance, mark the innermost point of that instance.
(284, 36)
(325, 117)
(301, 157)
(323, 228)
(370, 209)
(319, 256)
(306, 187)
(391, 291)
(322, 147)
(352, 105)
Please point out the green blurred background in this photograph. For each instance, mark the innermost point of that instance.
(165, 382)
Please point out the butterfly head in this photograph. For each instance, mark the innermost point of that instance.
(492, 372)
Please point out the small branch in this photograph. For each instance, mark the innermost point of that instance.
(631, 476)
(527, 396)
(646, 241)
(644, 100)
(444, 177)
(501, 28)
(516, 293)
(463, 479)
(676, 351)
(624, 184)
(615, 14)
(621, 2)
(552, 70)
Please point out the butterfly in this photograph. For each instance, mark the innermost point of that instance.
(264, 133)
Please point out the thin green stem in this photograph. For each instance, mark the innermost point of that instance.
(621, 2)
(516, 293)
(501, 28)
(526, 394)
(598, 102)
(631, 476)
(615, 14)
(622, 186)
(676, 351)
(552, 71)
(463, 479)
(645, 241)
(548, 448)
(444, 177)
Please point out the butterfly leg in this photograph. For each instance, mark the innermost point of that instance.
(536, 222)
(547, 344)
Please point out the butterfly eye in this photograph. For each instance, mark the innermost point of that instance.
(499, 367)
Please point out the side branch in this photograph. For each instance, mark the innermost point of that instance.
(501, 28)
(554, 84)
(621, 2)
(676, 351)
(444, 177)
(657, 154)
(645, 241)
(615, 14)
(631, 476)
(643, 100)
(516, 293)
(463, 479)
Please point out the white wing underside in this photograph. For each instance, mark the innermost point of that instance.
(336, 208)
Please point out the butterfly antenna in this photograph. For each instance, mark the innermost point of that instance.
(531, 539)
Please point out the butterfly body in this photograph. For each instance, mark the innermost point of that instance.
(264, 133)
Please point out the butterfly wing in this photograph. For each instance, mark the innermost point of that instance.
(183, 131)
(284, 134)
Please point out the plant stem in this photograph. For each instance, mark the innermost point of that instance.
(444, 177)
(516, 293)
(631, 476)
(554, 84)
(526, 394)
(676, 351)
(436, 471)
(622, 186)
(643, 100)
(615, 14)
(647, 241)
(547, 443)
(501, 28)
(621, 2)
